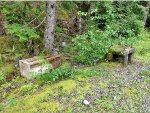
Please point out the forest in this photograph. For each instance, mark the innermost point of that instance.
(75, 56)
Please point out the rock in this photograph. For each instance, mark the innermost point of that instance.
(75, 66)
(55, 51)
(85, 102)
(64, 44)
(115, 98)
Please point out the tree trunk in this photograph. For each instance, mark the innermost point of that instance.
(50, 25)
(147, 11)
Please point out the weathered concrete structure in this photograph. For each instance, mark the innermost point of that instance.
(35, 66)
(121, 54)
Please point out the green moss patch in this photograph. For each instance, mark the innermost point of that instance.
(145, 73)
(116, 49)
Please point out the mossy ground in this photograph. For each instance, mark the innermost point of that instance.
(108, 86)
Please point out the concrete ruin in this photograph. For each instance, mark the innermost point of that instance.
(121, 54)
(36, 66)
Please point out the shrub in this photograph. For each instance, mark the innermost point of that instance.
(58, 73)
(145, 73)
(5, 71)
(24, 33)
(1, 107)
(11, 102)
(90, 47)
(118, 19)
(121, 23)
(28, 89)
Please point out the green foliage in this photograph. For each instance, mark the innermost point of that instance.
(90, 72)
(11, 102)
(143, 49)
(145, 73)
(120, 24)
(68, 5)
(58, 29)
(24, 33)
(58, 73)
(119, 19)
(104, 104)
(116, 49)
(28, 89)
(20, 12)
(5, 71)
(1, 107)
(90, 47)
(61, 92)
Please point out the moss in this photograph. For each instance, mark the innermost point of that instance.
(5, 43)
(105, 104)
(117, 49)
(91, 72)
(32, 107)
(147, 80)
(40, 101)
(63, 15)
(103, 85)
(28, 89)
(66, 63)
(67, 85)
(5, 72)
(145, 73)
(80, 78)
(130, 92)
(34, 103)
(109, 65)
(1, 107)
(83, 89)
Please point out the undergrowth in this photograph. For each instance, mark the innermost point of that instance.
(145, 73)
(5, 72)
(62, 72)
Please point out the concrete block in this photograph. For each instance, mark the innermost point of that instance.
(36, 66)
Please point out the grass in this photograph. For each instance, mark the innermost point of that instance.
(145, 73)
(21, 95)
(142, 50)
(20, 102)
(5, 72)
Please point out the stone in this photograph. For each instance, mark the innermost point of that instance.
(64, 44)
(36, 66)
(115, 98)
(85, 102)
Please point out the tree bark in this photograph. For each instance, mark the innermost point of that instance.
(147, 11)
(50, 25)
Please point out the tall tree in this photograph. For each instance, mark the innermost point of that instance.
(147, 11)
(50, 25)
